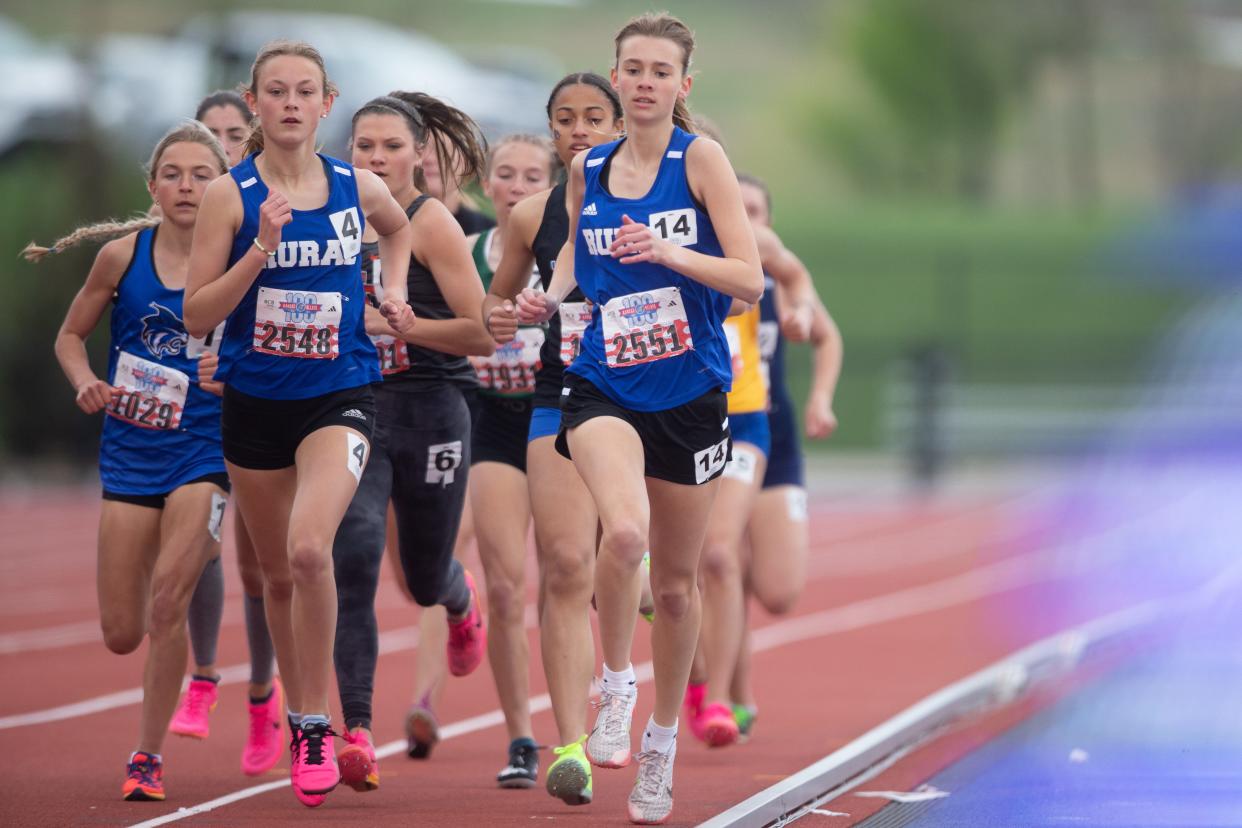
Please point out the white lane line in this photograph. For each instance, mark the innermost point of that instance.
(928, 549)
(981, 583)
(1066, 558)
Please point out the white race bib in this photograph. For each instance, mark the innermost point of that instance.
(769, 335)
(298, 323)
(511, 369)
(152, 395)
(680, 227)
(646, 327)
(209, 344)
(349, 231)
(734, 336)
(575, 316)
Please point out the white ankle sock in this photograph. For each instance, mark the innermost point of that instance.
(659, 738)
(621, 682)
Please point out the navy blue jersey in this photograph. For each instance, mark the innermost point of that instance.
(655, 339)
(299, 331)
(162, 430)
(771, 342)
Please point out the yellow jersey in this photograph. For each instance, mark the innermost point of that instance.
(750, 387)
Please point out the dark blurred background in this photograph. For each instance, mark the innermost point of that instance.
(1005, 204)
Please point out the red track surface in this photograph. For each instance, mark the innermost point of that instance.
(860, 655)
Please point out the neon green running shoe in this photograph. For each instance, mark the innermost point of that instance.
(569, 777)
(744, 715)
(646, 602)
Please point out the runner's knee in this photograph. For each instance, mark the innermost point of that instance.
(626, 540)
(673, 597)
(309, 558)
(121, 633)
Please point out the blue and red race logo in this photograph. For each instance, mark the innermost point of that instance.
(300, 307)
(639, 309)
(150, 380)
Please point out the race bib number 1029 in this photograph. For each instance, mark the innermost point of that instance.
(151, 395)
(297, 323)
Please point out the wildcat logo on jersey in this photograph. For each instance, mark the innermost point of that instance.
(163, 333)
(300, 307)
(309, 253)
(599, 239)
(639, 309)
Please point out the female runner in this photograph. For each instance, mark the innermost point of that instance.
(776, 565)
(583, 111)
(226, 115)
(421, 446)
(659, 242)
(276, 253)
(517, 166)
(164, 482)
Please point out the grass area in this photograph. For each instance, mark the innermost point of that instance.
(1013, 297)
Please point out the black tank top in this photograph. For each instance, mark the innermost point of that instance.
(427, 302)
(550, 238)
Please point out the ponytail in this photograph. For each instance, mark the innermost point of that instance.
(104, 231)
(682, 117)
(454, 133)
(254, 141)
(191, 132)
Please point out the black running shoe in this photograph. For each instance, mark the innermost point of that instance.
(523, 767)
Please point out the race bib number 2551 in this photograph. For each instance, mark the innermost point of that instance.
(645, 327)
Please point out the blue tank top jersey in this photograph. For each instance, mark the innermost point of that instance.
(771, 343)
(299, 332)
(162, 430)
(655, 339)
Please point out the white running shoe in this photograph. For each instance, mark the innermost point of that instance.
(609, 744)
(651, 801)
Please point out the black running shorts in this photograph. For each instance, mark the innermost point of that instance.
(260, 433)
(689, 444)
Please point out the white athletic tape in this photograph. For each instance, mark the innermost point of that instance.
(216, 517)
(357, 459)
(795, 505)
(742, 466)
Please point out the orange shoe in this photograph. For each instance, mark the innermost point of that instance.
(145, 779)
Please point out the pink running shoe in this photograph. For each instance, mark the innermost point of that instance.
(262, 750)
(693, 709)
(719, 726)
(191, 716)
(359, 768)
(295, 745)
(467, 637)
(316, 771)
